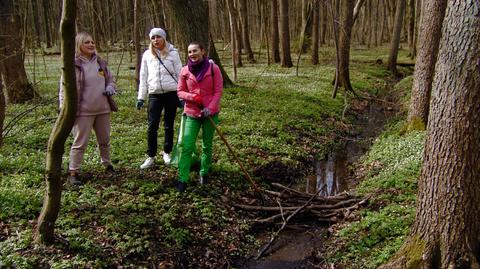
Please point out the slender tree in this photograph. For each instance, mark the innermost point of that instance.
(3, 108)
(428, 45)
(136, 40)
(285, 56)
(274, 33)
(315, 31)
(246, 30)
(12, 69)
(446, 230)
(233, 40)
(344, 40)
(395, 41)
(61, 130)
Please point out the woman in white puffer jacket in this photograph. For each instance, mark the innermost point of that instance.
(159, 72)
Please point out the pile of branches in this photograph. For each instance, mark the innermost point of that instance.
(287, 203)
(282, 205)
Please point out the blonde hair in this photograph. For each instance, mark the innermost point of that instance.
(79, 40)
(164, 52)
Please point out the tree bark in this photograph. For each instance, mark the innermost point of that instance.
(446, 230)
(285, 56)
(136, 41)
(344, 40)
(61, 130)
(199, 31)
(428, 45)
(12, 69)
(233, 40)
(46, 18)
(246, 30)
(315, 31)
(275, 38)
(395, 41)
(3, 109)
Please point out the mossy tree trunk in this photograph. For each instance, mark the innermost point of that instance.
(446, 230)
(61, 130)
(192, 25)
(428, 44)
(12, 69)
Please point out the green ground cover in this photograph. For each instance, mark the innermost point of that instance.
(136, 219)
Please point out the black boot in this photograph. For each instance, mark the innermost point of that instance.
(180, 186)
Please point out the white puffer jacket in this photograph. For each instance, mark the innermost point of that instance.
(154, 78)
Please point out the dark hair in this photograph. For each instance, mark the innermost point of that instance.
(198, 43)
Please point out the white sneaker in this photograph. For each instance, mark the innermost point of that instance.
(166, 158)
(149, 162)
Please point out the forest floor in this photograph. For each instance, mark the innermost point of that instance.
(280, 126)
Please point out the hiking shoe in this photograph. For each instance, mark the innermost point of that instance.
(167, 158)
(149, 162)
(203, 180)
(180, 186)
(74, 179)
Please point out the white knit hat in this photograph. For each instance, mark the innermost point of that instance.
(159, 32)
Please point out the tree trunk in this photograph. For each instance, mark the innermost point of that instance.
(46, 18)
(395, 41)
(246, 30)
(136, 41)
(233, 40)
(446, 230)
(411, 27)
(315, 31)
(12, 69)
(3, 108)
(285, 57)
(430, 33)
(61, 130)
(198, 31)
(274, 31)
(344, 38)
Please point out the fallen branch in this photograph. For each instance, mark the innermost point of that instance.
(284, 224)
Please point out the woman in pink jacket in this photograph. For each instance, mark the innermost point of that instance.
(200, 85)
(94, 84)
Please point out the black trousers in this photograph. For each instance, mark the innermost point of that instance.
(156, 104)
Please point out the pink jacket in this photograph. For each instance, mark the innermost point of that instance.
(210, 89)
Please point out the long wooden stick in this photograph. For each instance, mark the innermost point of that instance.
(247, 175)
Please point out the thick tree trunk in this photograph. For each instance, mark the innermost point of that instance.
(3, 108)
(246, 30)
(285, 56)
(199, 31)
(446, 230)
(274, 34)
(61, 130)
(12, 68)
(395, 41)
(428, 45)
(315, 31)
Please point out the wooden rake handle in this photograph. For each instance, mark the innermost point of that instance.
(247, 175)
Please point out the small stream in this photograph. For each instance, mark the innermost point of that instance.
(331, 176)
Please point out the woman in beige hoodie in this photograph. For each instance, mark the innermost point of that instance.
(94, 86)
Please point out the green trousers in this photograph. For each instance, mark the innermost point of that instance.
(192, 128)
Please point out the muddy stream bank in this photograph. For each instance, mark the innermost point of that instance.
(296, 244)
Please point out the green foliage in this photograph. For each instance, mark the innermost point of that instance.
(393, 164)
(136, 217)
